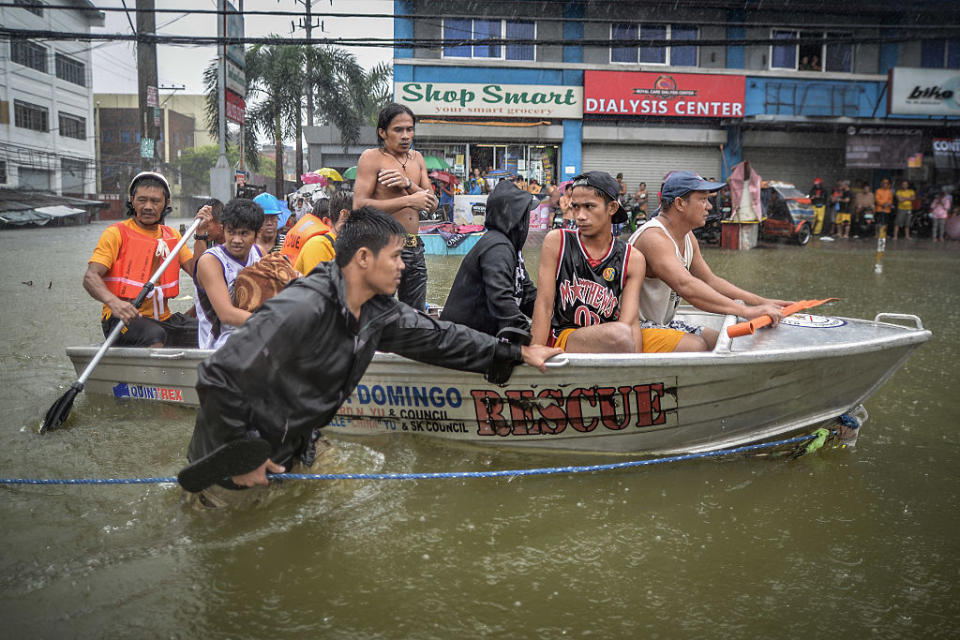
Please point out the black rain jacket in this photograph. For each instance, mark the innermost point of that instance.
(300, 356)
(492, 289)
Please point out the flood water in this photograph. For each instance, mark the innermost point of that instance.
(856, 542)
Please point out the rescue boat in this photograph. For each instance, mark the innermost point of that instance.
(779, 381)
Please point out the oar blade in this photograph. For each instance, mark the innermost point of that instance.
(60, 410)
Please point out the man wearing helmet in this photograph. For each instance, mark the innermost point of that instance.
(127, 255)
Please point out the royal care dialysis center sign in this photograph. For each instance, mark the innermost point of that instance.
(492, 99)
(676, 95)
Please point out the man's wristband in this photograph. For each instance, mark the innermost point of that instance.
(198, 236)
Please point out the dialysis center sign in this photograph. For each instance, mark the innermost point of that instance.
(493, 99)
(676, 95)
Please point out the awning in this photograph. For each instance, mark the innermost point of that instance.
(59, 211)
(20, 218)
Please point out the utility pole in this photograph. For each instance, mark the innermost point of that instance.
(147, 85)
(221, 175)
(308, 88)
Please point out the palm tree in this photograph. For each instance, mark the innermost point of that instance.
(251, 147)
(279, 78)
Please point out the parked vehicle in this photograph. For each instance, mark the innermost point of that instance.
(711, 231)
(788, 213)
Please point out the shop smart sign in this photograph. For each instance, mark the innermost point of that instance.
(498, 100)
(672, 95)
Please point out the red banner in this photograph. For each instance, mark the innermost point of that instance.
(235, 107)
(672, 95)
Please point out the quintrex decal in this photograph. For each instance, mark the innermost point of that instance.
(512, 412)
(144, 392)
(811, 321)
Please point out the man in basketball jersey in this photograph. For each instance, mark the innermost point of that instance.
(589, 282)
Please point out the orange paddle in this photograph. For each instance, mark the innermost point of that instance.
(747, 328)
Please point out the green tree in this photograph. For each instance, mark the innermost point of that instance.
(279, 78)
(194, 166)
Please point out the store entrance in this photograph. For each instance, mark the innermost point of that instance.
(528, 161)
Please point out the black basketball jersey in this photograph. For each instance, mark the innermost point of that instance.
(587, 295)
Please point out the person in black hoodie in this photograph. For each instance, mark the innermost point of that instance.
(492, 289)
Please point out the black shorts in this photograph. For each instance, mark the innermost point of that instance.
(176, 331)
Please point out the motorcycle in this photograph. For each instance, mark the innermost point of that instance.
(711, 231)
(636, 215)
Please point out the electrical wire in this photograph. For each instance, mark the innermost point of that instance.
(929, 9)
(438, 43)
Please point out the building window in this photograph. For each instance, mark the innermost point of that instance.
(73, 126)
(486, 30)
(29, 54)
(124, 137)
(33, 6)
(471, 35)
(831, 55)
(3, 172)
(784, 56)
(108, 136)
(679, 56)
(73, 176)
(940, 54)
(521, 30)
(71, 70)
(30, 116)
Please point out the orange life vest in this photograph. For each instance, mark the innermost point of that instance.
(307, 227)
(134, 266)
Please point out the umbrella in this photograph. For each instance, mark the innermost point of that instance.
(332, 174)
(433, 162)
(312, 178)
(444, 176)
(350, 174)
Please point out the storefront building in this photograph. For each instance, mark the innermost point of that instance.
(550, 89)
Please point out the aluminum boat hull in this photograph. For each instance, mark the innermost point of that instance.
(776, 382)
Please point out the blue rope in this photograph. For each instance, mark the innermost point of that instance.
(434, 476)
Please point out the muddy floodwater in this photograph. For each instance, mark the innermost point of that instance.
(855, 542)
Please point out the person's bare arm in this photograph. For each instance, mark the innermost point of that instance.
(546, 287)
(369, 176)
(662, 263)
(97, 288)
(630, 298)
(701, 269)
(210, 277)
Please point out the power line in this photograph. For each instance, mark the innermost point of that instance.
(438, 43)
(935, 11)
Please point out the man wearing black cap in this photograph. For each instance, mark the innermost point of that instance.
(673, 273)
(589, 282)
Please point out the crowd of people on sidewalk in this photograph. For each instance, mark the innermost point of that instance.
(901, 208)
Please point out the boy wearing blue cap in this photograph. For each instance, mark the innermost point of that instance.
(673, 273)
(274, 216)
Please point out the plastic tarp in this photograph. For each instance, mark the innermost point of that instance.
(21, 218)
(59, 211)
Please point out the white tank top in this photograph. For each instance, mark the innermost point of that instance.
(231, 267)
(658, 302)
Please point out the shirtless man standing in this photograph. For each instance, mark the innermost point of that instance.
(393, 178)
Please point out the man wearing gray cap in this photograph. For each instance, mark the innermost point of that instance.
(673, 273)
